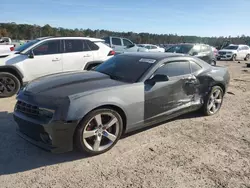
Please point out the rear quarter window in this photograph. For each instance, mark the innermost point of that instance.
(194, 67)
(92, 46)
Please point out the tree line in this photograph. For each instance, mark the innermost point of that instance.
(28, 32)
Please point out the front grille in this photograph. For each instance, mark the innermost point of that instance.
(222, 53)
(27, 109)
(33, 111)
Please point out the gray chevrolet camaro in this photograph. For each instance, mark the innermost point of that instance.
(92, 109)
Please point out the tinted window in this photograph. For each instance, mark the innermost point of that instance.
(116, 41)
(124, 68)
(174, 69)
(75, 46)
(92, 46)
(185, 48)
(48, 47)
(126, 42)
(194, 66)
(231, 47)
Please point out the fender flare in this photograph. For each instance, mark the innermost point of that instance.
(13, 68)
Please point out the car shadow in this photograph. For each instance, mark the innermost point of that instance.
(18, 155)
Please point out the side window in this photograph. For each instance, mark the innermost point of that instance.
(175, 69)
(92, 46)
(74, 46)
(153, 47)
(126, 42)
(47, 48)
(246, 48)
(194, 66)
(116, 41)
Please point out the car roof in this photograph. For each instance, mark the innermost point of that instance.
(84, 38)
(153, 55)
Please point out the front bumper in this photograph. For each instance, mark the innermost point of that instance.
(55, 136)
(225, 57)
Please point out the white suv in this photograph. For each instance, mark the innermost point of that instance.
(49, 55)
(234, 52)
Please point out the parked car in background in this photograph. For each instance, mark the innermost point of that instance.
(152, 48)
(167, 46)
(234, 52)
(121, 45)
(92, 109)
(6, 46)
(49, 55)
(201, 51)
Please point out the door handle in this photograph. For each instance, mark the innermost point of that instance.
(56, 59)
(88, 55)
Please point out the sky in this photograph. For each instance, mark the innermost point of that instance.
(182, 17)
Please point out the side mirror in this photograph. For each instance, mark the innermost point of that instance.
(157, 78)
(31, 54)
(195, 53)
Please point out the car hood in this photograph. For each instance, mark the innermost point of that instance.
(70, 83)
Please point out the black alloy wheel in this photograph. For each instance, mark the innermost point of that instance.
(9, 84)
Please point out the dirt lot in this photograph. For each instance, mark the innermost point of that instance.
(192, 151)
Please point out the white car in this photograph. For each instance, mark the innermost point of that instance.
(49, 55)
(234, 52)
(153, 48)
(6, 46)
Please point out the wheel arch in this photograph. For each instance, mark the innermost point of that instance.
(118, 109)
(223, 87)
(13, 70)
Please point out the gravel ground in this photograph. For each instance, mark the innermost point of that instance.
(191, 151)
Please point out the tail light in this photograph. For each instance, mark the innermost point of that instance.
(112, 52)
(12, 48)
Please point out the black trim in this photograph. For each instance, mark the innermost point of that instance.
(91, 63)
(13, 68)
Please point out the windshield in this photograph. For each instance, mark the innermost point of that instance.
(231, 47)
(26, 45)
(184, 49)
(125, 68)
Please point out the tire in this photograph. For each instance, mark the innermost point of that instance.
(98, 134)
(234, 57)
(247, 57)
(212, 103)
(9, 84)
(213, 63)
